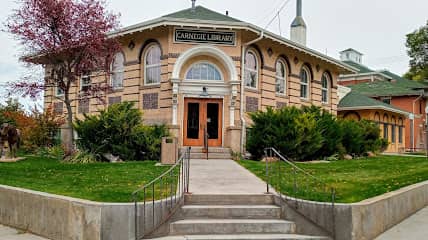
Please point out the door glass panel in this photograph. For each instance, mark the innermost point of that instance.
(193, 121)
(212, 120)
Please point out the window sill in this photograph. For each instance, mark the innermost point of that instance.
(307, 100)
(281, 95)
(115, 90)
(254, 90)
(151, 86)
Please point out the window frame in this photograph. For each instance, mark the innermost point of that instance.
(393, 130)
(385, 127)
(57, 88)
(400, 130)
(205, 80)
(247, 69)
(325, 77)
(85, 85)
(279, 78)
(307, 84)
(152, 66)
(122, 71)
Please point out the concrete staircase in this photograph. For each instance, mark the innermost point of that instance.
(232, 217)
(213, 153)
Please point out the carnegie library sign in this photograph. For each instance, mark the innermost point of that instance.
(204, 36)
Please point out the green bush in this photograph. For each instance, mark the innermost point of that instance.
(119, 130)
(311, 133)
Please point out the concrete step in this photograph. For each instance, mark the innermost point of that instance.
(244, 237)
(210, 150)
(231, 226)
(238, 199)
(211, 156)
(231, 211)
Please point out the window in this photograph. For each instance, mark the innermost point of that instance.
(385, 127)
(386, 100)
(393, 129)
(325, 86)
(85, 83)
(203, 71)
(281, 77)
(400, 130)
(251, 70)
(304, 83)
(118, 71)
(83, 106)
(152, 65)
(59, 92)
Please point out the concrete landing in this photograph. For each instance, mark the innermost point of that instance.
(223, 177)
(7, 233)
(413, 228)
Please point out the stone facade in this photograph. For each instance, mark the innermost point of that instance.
(163, 103)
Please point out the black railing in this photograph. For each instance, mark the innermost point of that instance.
(296, 187)
(169, 188)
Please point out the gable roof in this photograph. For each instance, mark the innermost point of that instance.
(201, 13)
(356, 101)
(361, 68)
(206, 18)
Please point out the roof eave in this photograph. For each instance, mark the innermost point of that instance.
(166, 21)
(377, 107)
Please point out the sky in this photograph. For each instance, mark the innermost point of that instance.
(377, 28)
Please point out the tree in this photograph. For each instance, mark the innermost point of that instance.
(417, 49)
(69, 37)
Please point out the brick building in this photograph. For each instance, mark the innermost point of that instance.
(199, 71)
(393, 90)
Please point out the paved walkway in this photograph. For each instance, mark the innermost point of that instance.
(7, 233)
(223, 177)
(413, 228)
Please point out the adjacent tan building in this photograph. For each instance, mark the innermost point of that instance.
(201, 72)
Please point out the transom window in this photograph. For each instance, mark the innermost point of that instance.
(251, 70)
(152, 65)
(281, 77)
(304, 83)
(118, 71)
(204, 71)
(325, 87)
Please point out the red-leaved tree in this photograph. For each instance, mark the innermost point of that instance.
(69, 38)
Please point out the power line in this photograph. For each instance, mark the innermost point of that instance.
(279, 11)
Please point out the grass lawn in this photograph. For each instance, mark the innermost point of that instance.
(354, 180)
(104, 182)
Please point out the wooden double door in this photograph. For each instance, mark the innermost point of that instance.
(203, 122)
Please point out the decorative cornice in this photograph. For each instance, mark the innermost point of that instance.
(265, 67)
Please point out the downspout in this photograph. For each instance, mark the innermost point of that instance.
(242, 113)
(413, 122)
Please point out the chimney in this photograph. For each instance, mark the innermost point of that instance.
(193, 5)
(298, 27)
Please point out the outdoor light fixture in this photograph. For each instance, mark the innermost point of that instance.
(204, 92)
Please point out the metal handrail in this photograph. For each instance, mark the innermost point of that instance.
(169, 200)
(292, 198)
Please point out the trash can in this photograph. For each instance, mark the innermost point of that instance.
(169, 150)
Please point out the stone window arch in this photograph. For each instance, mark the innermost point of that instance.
(325, 88)
(152, 65)
(305, 83)
(281, 77)
(251, 69)
(117, 71)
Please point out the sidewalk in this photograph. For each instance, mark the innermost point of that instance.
(413, 228)
(7, 233)
(223, 177)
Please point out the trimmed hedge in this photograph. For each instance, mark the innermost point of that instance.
(119, 130)
(311, 133)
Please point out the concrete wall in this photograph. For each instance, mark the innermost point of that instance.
(364, 220)
(58, 217)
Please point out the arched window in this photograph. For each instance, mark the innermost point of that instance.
(152, 66)
(305, 79)
(377, 117)
(281, 77)
(400, 130)
(393, 128)
(117, 71)
(385, 127)
(204, 71)
(251, 70)
(325, 88)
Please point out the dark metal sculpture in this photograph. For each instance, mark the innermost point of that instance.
(10, 134)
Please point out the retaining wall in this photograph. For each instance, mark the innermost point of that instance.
(367, 219)
(58, 217)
